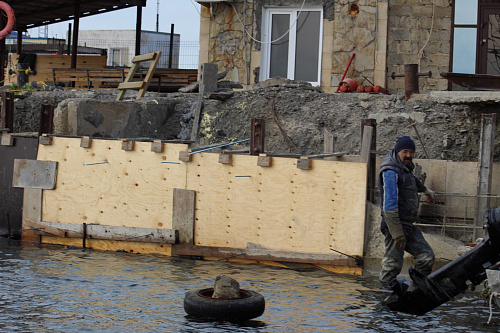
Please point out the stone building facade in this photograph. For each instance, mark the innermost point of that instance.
(384, 35)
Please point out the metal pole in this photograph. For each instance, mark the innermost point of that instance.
(138, 29)
(171, 50)
(74, 49)
(69, 38)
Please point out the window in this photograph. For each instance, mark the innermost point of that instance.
(295, 51)
(116, 57)
(465, 36)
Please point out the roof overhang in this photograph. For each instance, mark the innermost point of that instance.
(35, 13)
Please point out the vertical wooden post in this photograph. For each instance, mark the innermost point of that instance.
(328, 141)
(372, 172)
(257, 136)
(7, 111)
(19, 45)
(486, 147)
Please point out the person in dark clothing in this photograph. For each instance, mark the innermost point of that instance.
(399, 201)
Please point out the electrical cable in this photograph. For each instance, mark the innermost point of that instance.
(273, 41)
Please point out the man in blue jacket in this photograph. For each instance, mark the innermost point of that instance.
(399, 189)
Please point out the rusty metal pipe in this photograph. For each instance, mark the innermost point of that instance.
(411, 75)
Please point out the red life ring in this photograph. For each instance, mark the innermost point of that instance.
(11, 20)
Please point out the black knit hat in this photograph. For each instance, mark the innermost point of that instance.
(404, 142)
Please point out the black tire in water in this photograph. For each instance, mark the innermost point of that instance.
(200, 304)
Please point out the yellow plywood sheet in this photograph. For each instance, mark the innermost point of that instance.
(279, 207)
(107, 185)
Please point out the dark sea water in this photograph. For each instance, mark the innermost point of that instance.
(68, 290)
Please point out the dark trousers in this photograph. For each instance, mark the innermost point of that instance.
(416, 245)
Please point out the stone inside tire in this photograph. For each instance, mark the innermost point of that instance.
(200, 304)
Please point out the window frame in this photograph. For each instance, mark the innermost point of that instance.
(267, 13)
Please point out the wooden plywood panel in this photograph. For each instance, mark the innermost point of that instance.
(45, 63)
(280, 207)
(106, 185)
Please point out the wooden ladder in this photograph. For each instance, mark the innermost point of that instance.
(143, 85)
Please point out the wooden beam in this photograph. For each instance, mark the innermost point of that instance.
(486, 147)
(261, 255)
(106, 232)
(183, 211)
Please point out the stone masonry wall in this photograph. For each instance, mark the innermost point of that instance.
(410, 41)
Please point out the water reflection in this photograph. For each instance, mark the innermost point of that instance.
(60, 290)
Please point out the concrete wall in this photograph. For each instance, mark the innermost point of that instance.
(383, 35)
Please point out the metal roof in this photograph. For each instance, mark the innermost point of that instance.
(36, 13)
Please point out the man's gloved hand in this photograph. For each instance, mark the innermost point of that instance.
(400, 242)
(431, 196)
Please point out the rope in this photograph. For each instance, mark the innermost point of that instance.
(493, 294)
(421, 52)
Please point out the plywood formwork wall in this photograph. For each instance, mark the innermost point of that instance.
(279, 207)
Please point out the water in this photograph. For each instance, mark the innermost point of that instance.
(68, 290)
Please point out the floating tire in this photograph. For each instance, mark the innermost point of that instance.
(11, 20)
(201, 304)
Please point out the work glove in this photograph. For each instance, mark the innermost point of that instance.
(431, 196)
(400, 242)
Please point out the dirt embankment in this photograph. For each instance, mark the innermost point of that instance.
(448, 131)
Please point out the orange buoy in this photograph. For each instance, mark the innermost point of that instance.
(11, 20)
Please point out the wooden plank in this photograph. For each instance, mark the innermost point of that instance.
(260, 255)
(328, 141)
(32, 204)
(130, 76)
(34, 174)
(131, 85)
(117, 233)
(144, 57)
(155, 59)
(366, 144)
(53, 229)
(197, 114)
(486, 148)
(106, 232)
(183, 213)
(109, 245)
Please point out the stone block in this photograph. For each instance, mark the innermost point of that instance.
(208, 77)
(400, 10)
(399, 34)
